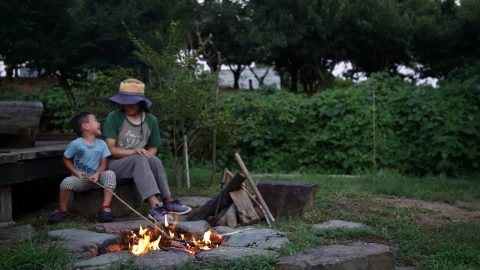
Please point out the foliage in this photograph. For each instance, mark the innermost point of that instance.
(418, 130)
(184, 97)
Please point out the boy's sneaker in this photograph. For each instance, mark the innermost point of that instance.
(177, 207)
(158, 213)
(105, 215)
(57, 216)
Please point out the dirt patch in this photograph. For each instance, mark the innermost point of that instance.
(439, 213)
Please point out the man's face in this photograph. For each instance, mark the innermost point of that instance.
(131, 110)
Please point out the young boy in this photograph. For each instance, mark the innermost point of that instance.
(86, 158)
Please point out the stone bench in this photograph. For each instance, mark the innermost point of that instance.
(285, 198)
(87, 203)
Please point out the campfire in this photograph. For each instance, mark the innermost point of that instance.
(169, 236)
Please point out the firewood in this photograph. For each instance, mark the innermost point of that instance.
(228, 217)
(208, 209)
(245, 210)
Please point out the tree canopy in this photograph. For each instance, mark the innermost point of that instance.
(303, 40)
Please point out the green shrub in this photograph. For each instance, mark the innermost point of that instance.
(418, 129)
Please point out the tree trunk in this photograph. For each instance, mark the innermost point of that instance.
(294, 80)
(236, 74)
(260, 79)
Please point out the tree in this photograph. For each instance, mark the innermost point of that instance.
(446, 36)
(299, 38)
(376, 36)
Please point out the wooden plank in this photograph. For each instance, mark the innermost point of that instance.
(5, 203)
(208, 209)
(30, 170)
(245, 210)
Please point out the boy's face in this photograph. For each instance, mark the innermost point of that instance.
(92, 126)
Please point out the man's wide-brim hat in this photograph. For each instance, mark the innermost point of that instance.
(131, 91)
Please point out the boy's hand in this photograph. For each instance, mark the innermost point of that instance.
(80, 175)
(94, 178)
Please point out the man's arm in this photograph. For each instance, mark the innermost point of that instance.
(118, 152)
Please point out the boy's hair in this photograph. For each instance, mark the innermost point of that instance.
(78, 120)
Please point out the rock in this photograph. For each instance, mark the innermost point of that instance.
(105, 261)
(87, 203)
(12, 234)
(256, 238)
(332, 224)
(224, 229)
(285, 198)
(357, 256)
(102, 240)
(119, 227)
(224, 253)
(194, 201)
(83, 250)
(198, 228)
(163, 259)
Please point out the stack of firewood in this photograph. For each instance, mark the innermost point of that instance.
(235, 204)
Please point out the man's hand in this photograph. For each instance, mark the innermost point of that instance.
(144, 153)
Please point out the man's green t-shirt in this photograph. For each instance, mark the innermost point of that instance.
(129, 135)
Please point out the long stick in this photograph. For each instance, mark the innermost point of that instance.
(254, 187)
(131, 208)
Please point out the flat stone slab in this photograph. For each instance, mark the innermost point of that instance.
(12, 234)
(259, 238)
(118, 227)
(357, 256)
(333, 224)
(225, 253)
(105, 261)
(194, 201)
(83, 250)
(161, 259)
(198, 228)
(100, 239)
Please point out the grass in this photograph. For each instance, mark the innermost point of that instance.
(450, 245)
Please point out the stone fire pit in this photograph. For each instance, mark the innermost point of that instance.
(95, 246)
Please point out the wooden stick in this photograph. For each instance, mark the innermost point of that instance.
(254, 187)
(154, 224)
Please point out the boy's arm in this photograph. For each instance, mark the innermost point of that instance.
(102, 167)
(69, 164)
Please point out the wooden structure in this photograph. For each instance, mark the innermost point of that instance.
(19, 121)
(19, 165)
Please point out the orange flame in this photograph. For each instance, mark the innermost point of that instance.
(143, 243)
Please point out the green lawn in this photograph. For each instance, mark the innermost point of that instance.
(434, 243)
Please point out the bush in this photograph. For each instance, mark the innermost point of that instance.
(418, 130)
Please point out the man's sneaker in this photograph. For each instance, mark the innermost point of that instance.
(158, 213)
(177, 207)
(57, 216)
(105, 215)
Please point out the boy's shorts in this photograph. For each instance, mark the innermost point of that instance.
(107, 178)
